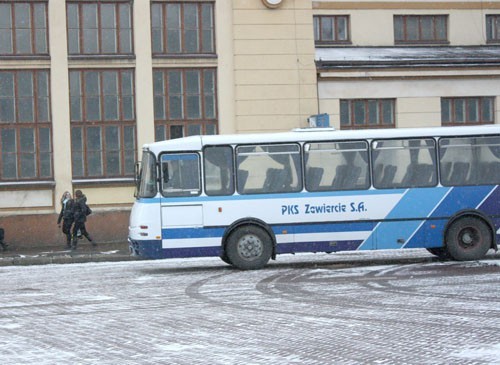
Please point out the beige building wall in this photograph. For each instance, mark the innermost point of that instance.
(275, 74)
(417, 92)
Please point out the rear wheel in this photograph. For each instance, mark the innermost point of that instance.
(468, 238)
(249, 247)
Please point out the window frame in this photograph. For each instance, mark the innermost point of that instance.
(351, 104)
(32, 27)
(164, 53)
(318, 30)
(81, 30)
(406, 36)
(492, 26)
(36, 125)
(81, 128)
(452, 110)
(166, 124)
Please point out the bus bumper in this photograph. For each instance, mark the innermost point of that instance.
(150, 249)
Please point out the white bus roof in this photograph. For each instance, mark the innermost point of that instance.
(195, 143)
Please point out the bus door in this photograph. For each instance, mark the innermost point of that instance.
(180, 183)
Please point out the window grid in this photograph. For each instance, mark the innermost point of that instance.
(175, 115)
(330, 29)
(467, 111)
(103, 145)
(171, 38)
(25, 144)
(13, 35)
(367, 113)
(79, 34)
(493, 28)
(421, 29)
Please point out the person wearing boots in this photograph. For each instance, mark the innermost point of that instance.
(2, 242)
(66, 216)
(80, 212)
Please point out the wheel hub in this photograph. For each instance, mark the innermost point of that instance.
(250, 247)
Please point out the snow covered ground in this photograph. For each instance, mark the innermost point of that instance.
(383, 307)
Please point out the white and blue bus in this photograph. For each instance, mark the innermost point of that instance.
(247, 198)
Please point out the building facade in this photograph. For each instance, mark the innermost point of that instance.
(85, 83)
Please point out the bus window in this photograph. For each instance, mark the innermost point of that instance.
(404, 163)
(147, 176)
(180, 174)
(218, 169)
(336, 166)
(268, 169)
(470, 160)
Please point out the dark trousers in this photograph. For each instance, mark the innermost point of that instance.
(83, 230)
(2, 243)
(66, 228)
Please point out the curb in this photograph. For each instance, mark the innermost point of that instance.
(54, 255)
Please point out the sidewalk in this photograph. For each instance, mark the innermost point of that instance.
(60, 255)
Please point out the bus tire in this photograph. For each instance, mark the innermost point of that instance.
(468, 238)
(440, 252)
(249, 247)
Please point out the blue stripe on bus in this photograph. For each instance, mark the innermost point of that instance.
(461, 198)
(417, 203)
(318, 246)
(201, 232)
(430, 234)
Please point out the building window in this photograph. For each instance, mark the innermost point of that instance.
(99, 28)
(23, 28)
(474, 110)
(183, 28)
(493, 28)
(184, 102)
(331, 29)
(102, 123)
(25, 126)
(367, 113)
(420, 29)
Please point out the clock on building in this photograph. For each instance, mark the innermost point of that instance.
(272, 4)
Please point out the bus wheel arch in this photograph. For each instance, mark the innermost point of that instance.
(468, 236)
(248, 244)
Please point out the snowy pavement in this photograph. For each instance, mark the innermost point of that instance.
(383, 307)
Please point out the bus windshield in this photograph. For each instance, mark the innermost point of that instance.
(147, 176)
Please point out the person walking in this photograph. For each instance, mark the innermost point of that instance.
(2, 242)
(66, 216)
(80, 212)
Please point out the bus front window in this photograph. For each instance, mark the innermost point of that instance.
(147, 177)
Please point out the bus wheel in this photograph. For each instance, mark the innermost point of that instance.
(468, 238)
(249, 247)
(440, 252)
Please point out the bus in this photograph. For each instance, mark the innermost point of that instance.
(249, 197)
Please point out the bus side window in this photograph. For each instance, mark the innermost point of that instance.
(269, 168)
(456, 156)
(219, 171)
(405, 163)
(180, 174)
(336, 166)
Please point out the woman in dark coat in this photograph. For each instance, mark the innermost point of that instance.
(66, 216)
(80, 212)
